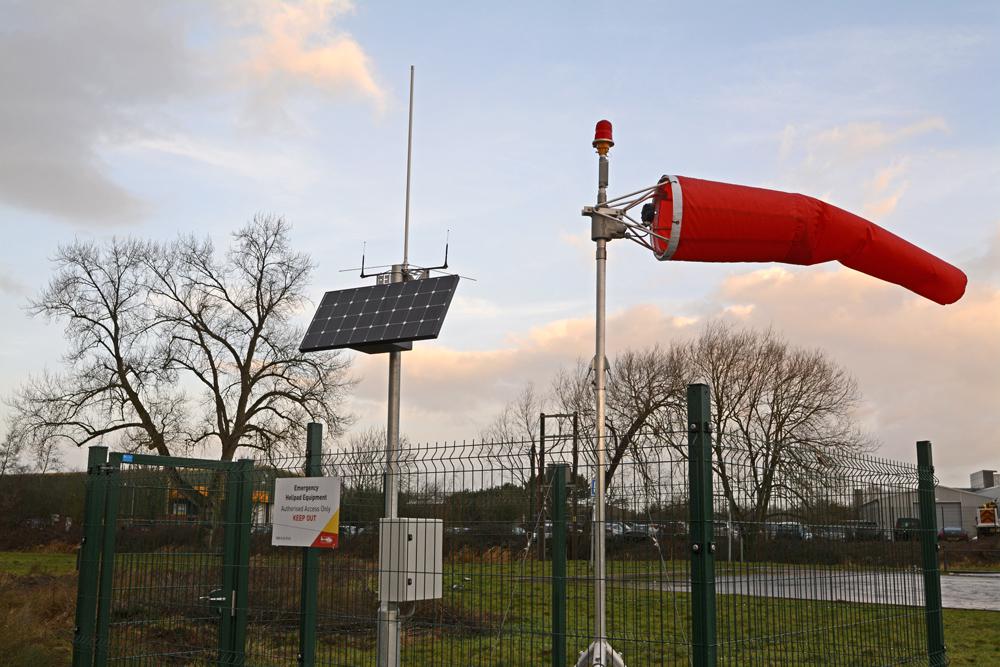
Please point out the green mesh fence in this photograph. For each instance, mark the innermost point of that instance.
(816, 559)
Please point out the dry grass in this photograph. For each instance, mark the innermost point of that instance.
(36, 618)
(490, 556)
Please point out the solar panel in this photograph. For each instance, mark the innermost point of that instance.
(379, 318)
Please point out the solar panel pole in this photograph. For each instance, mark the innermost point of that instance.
(388, 621)
(392, 422)
(602, 230)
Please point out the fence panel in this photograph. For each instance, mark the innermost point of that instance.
(812, 565)
(813, 569)
(169, 563)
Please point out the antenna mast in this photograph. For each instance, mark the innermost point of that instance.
(388, 654)
(409, 163)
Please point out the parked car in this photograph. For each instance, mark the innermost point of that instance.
(788, 530)
(725, 529)
(828, 532)
(906, 529)
(639, 531)
(351, 529)
(615, 528)
(546, 530)
(953, 534)
(674, 529)
(863, 531)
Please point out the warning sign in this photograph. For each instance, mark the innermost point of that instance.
(306, 512)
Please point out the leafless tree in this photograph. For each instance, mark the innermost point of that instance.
(360, 460)
(21, 454)
(147, 324)
(513, 433)
(645, 387)
(781, 415)
(11, 448)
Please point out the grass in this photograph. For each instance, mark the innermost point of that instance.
(37, 598)
(18, 563)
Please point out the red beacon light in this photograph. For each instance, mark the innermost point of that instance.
(602, 137)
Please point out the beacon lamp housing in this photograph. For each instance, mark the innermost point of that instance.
(603, 139)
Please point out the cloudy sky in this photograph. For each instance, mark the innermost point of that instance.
(142, 118)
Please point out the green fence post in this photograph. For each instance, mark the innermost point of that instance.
(230, 560)
(241, 609)
(703, 647)
(309, 595)
(560, 471)
(112, 486)
(928, 549)
(90, 555)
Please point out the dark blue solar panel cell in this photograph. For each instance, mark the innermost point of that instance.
(410, 330)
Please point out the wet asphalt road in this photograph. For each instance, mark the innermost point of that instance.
(958, 591)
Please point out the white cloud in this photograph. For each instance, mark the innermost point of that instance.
(885, 189)
(263, 166)
(89, 79)
(926, 371)
(861, 165)
(854, 141)
(296, 46)
(70, 81)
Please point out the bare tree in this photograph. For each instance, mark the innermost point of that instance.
(644, 388)
(147, 322)
(780, 415)
(361, 461)
(513, 433)
(11, 447)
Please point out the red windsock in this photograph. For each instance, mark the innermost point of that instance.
(706, 221)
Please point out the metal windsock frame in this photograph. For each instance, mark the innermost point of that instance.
(695, 220)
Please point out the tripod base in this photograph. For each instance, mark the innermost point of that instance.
(600, 653)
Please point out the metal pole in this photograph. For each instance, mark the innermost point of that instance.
(703, 636)
(729, 532)
(559, 473)
(388, 613)
(90, 557)
(600, 627)
(576, 445)
(244, 471)
(928, 548)
(573, 480)
(106, 585)
(309, 590)
(409, 160)
(540, 487)
(600, 652)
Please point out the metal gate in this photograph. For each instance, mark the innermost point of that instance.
(163, 564)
